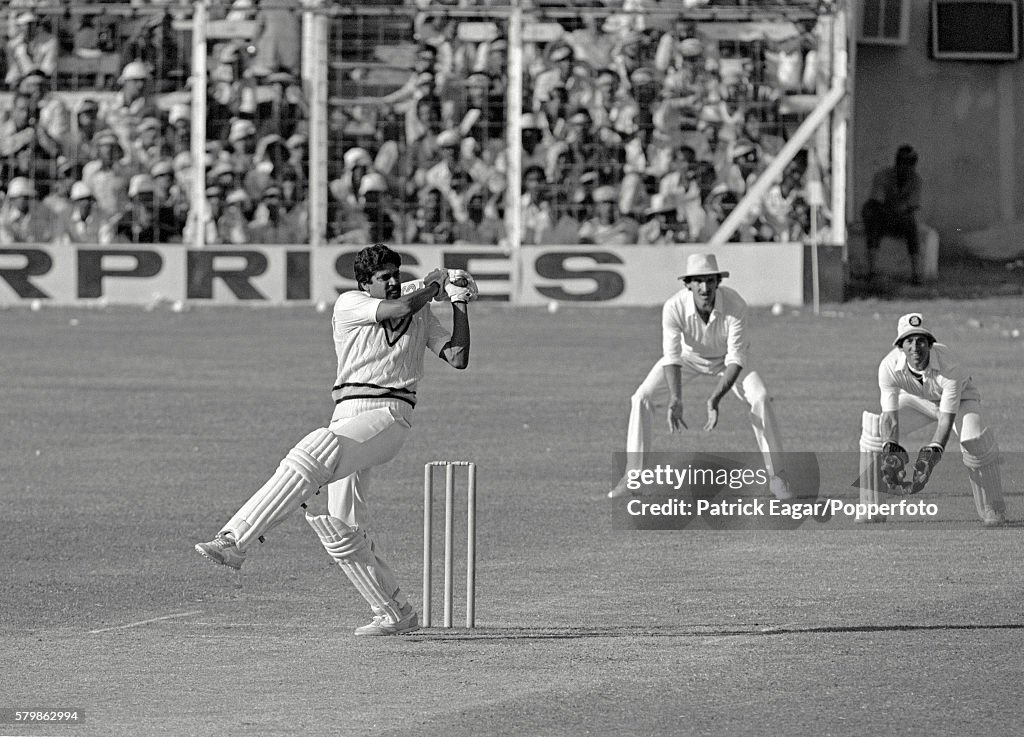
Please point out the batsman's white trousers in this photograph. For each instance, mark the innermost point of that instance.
(653, 392)
(372, 432)
(916, 413)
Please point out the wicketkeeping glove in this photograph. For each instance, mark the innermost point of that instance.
(927, 458)
(894, 464)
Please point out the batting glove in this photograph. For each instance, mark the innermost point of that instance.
(927, 459)
(894, 463)
(437, 276)
(461, 278)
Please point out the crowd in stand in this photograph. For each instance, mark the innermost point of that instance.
(108, 158)
(630, 135)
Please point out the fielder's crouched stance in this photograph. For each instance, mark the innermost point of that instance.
(922, 382)
(380, 333)
(704, 334)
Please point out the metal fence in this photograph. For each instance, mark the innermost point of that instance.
(308, 122)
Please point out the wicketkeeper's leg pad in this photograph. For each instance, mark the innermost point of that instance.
(981, 457)
(352, 549)
(307, 467)
(870, 462)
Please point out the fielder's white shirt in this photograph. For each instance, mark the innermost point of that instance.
(685, 337)
(381, 359)
(945, 382)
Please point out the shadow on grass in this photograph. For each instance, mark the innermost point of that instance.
(576, 633)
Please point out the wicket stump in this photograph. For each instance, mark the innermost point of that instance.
(449, 539)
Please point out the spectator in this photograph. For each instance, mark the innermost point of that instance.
(78, 146)
(22, 129)
(23, 219)
(432, 224)
(485, 113)
(608, 227)
(892, 208)
(106, 176)
(140, 222)
(298, 156)
(535, 153)
(179, 137)
(152, 40)
(83, 223)
(286, 112)
(57, 200)
(204, 219)
(51, 112)
(567, 211)
(482, 226)
(269, 166)
(31, 48)
(241, 146)
(233, 224)
(377, 222)
(147, 146)
(168, 198)
(129, 106)
(279, 46)
(269, 225)
(662, 226)
(536, 209)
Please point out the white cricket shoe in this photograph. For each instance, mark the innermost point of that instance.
(619, 490)
(993, 518)
(222, 549)
(779, 488)
(382, 625)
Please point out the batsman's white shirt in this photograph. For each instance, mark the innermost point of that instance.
(712, 346)
(944, 383)
(380, 360)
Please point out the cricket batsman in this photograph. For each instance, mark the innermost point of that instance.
(922, 384)
(381, 331)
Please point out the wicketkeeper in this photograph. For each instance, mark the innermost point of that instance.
(381, 332)
(922, 382)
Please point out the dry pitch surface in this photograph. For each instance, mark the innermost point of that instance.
(131, 435)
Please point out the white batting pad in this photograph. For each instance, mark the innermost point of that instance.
(981, 457)
(352, 550)
(307, 467)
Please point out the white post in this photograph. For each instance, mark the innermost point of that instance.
(840, 127)
(514, 199)
(778, 164)
(197, 205)
(315, 55)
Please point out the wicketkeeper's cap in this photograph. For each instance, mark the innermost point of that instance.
(911, 324)
(702, 264)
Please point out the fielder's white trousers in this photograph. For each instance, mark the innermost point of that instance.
(916, 413)
(654, 392)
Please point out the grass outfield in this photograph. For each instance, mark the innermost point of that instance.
(131, 435)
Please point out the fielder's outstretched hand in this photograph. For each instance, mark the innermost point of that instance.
(675, 416)
(712, 420)
(927, 458)
(894, 464)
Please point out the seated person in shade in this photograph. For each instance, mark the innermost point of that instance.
(892, 208)
(140, 223)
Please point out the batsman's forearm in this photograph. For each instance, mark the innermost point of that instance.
(729, 376)
(458, 347)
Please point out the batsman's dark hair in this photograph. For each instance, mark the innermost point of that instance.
(372, 259)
